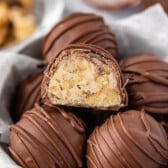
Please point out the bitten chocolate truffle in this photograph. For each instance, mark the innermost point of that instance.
(113, 4)
(130, 139)
(48, 138)
(79, 28)
(147, 83)
(27, 94)
(83, 75)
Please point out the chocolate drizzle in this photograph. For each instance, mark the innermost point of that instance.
(147, 83)
(47, 137)
(79, 28)
(129, 139)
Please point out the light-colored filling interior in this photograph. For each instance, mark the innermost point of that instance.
(79, 81)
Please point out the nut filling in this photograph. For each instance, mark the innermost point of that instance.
(82, 79)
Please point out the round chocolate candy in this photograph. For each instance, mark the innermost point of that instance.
(79, 28)
(27, 94)
(114, 4)
(84, 75)
(48, 138)
(132, 139)
(147, 83)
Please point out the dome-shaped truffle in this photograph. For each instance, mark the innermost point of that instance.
(48, 138)
(147, 83)
(130, 139)
(79, 28)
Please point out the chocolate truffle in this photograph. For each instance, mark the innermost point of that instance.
(147, 3)
(114, 4)
(27, 94)
(147, 83)
(84, 75)
(79, 28)
(132, 139)
(48, 138)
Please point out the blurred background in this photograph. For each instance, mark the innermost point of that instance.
(20, 19)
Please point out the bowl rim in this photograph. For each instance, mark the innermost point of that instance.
(41, 30)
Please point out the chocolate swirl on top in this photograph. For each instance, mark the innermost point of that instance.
(48, 138)
(147, 83)
(27, 94)
(79, 28)
(128, 140)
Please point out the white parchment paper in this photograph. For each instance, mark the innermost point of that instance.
(143, 33)
(13, 68)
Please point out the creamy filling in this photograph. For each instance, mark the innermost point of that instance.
(80, 80)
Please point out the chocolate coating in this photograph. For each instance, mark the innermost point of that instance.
(79, 28)
(147, 83)
(56, 87)
(47, 138)
(28, 93)
(131, 139)
(114, 4)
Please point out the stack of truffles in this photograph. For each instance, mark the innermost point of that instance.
(83, 85)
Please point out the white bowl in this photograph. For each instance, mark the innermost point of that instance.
(47, 13)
